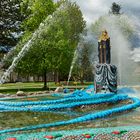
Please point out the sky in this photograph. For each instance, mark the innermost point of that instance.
(93, 9)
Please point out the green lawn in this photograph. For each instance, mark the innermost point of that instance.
(12, 88)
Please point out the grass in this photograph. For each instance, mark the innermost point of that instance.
(12, 88)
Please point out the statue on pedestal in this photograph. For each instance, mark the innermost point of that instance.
(104, 48)
(105, 73)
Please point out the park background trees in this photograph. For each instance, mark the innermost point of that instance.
(53, 50)
(10, 20)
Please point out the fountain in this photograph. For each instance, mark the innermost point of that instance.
(105, 78)
(86, 108)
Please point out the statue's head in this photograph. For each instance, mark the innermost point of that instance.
(104, 35)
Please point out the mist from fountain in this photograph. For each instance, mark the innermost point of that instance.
(89, 40)
(121, 46)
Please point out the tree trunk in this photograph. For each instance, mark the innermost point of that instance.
(57, 77)
(45, 80)
(82, 81)
(82, 77)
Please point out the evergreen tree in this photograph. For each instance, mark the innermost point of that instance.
(83, 68)
(115, 8)
(10, 20)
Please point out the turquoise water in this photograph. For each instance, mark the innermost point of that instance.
(21, 119)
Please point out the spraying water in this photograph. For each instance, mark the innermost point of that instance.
(50, 20)
(72, 65)
(136, 54)
(16, 60)
(88, 39)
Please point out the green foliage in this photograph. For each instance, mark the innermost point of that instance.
(7, 60)
(35, 12)
(10, 20)
(53, 50)
(83, 68)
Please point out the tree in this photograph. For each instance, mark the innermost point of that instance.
(83, 68)
(35, 12)
(10, 20)
(115, 9)
(53, 49)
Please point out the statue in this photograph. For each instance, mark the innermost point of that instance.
(105, 73)
(104, 48)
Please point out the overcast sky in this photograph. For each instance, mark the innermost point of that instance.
(92, 9)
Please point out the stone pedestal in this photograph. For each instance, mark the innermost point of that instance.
(105, 78)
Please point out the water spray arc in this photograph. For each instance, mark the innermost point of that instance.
(72, 65)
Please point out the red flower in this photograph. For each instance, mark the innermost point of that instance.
(116, 132)
(11, 139)
(86, 136)
(49, 137)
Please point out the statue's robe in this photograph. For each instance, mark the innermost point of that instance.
(104, 51)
